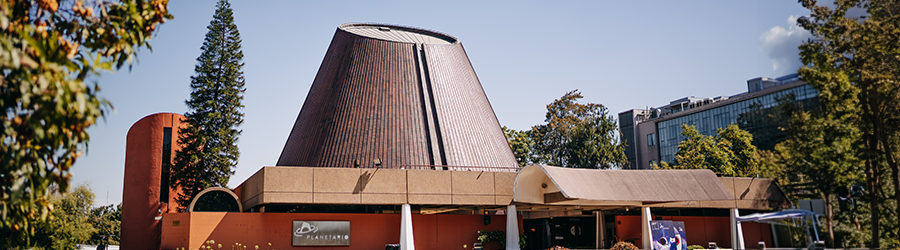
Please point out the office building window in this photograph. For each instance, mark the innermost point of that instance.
(651, 140)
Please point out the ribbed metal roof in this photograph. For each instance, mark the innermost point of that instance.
(396, 33)
(409, 100)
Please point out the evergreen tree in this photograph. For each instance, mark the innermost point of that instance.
(209, 152)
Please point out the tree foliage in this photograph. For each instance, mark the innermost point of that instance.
(108, 222)
(578, 135)
(48, 50)
(210, 153)
(769, 164)
(67, 225)
(854, 62)
(820, 153)
(520, 142)
(730, 151)
(73, 221)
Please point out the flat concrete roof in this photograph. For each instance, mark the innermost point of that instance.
(557, 188)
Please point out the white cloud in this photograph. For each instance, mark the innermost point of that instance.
(780, 45)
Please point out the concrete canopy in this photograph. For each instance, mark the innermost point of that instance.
(548, 185)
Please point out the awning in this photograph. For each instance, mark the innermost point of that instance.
(770, 217)
(548, 185)
(773, 217)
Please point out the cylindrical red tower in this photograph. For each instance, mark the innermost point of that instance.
(149, 149)
(396, 96)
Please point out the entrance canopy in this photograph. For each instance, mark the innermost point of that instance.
(775, 216)
(547, 185)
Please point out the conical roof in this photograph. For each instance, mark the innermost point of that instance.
(397, 96)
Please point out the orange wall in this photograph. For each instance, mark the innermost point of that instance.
(367, 231)
(700, 230)
(141, 191)
(628, 228)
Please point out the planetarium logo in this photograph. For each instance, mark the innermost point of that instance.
(305, 228)
(321, 233)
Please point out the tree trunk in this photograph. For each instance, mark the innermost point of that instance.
(859, 240)
(829, 220)
(895, 170)
(872, 185)
(872, 163)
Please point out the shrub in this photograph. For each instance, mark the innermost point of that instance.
(621, 245)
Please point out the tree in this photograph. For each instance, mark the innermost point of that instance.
(739, 146)
(108, 222)
(520, 142)
(854, 62)
(769, 164)
(48, 50)
(71, 223)
(210, 153)
(730, 152)
(578, 135)
(696, 151)
(67, 225)
(820, 152)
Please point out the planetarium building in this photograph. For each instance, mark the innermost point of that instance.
(397, 143)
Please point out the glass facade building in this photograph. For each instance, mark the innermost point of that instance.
(653, 135)
(739, 112)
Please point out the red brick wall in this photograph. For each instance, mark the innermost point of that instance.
(367, 231)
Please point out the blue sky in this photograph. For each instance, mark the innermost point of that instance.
(622, 54)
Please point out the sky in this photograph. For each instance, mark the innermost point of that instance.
(622, 54)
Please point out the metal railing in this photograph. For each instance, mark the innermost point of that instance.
(432, 167)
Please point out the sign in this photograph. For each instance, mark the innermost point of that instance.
(667, 235)
(320, 233)
(680, 234)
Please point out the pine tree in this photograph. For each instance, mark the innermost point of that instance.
(209, 153)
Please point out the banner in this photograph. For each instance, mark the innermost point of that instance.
(667, 235)
(680, 234)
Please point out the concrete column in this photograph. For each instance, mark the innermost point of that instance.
(646, 217)
(774, 236)
(512, 228)
(406, 230)
(601, 230)
(737, 235)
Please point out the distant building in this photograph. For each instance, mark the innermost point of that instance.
(652, 135)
